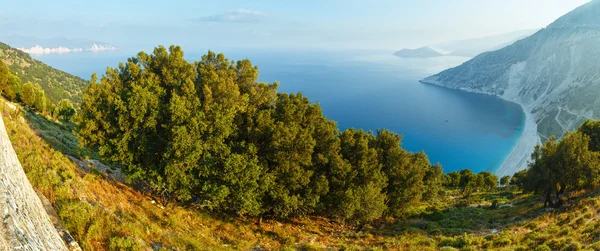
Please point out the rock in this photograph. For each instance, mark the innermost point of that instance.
(25, 224)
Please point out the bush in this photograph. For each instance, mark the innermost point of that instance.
(575, 246)
(457, 242)
(542, 247)
(448, 249)
(124, 243)
(503, 242)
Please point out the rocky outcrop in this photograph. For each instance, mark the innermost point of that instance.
(25, 224)
(554, 74)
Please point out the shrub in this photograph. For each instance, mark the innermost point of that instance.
(542, 247)
(124, 243)
(575, 246)
(448, 249)
(503, 242)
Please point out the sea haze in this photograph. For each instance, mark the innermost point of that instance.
(371, 90)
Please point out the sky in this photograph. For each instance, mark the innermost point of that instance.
(321, 24)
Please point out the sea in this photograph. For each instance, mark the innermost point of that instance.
(370, 90)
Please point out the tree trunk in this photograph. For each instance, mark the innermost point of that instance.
(548, 201)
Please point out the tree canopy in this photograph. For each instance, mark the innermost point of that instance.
(209, 133)
(10, 84)
(560, 166)
(64, 110)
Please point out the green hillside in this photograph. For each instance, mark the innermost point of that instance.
(57, 84)
(234, 182)
(105, 214)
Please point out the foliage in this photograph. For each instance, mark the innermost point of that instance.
(560, 166)
(56, 84)
(28, 92)
(107, 215)
(505, 180)
(469, 182)
(591, 128)
(10, 85)
(33, 96)
(207, 133)
(64, 110)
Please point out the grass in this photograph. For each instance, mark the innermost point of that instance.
(105, 214)
(59, 134)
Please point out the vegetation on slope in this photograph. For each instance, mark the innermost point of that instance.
(56, 84)
(208, 134)
(105, 214)
(234, 147)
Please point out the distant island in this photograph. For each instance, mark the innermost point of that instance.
(467, 47)
(423, 52)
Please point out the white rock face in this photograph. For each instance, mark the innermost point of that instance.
(25, 223)
(554, 74)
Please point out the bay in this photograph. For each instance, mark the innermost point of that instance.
(371, 90)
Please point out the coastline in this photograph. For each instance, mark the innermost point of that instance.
(519, 156)
(517, 159)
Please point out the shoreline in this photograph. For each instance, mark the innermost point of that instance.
(521, 152)
(517, 159)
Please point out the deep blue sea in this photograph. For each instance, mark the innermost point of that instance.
(371, 90)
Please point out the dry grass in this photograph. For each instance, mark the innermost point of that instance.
(104, 214)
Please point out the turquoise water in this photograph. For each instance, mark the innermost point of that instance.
(370, 90)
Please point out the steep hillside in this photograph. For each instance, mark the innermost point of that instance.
(25, 223)
(104, 214)
(554, 74)
(57, 84)
(475, 46)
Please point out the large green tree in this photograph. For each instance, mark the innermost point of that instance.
(28, 92)
(591, 128)
(558, 166)
(10, 84)
(64, 110)
(209, 133)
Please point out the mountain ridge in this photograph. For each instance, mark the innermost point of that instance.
(553, 74)
(56, 83)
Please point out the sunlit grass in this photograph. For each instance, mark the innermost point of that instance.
(103, 214)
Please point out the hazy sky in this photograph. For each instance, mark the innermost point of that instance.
(328, 24)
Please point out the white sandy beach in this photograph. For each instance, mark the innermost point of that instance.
(517, 159)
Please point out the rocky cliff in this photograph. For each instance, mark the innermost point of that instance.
(25, 223)
(554, 74)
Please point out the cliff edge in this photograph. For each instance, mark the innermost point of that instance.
(25, 223)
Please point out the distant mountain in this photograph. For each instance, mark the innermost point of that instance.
(35, 45)
(56, 83)
(423, 52)
(554, 74)
(476, 46)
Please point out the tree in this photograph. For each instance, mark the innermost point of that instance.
(452, 179)
(467, 182)
(405, 172)
(208, 133)
(34, 96)
(504, 181)
(490, 181)
(519, 179)
(65, 110)
(41, 101)
(9, 83)
(433, 181)
(591, 128)
(28, 92)
(364, 179)
(557, 167)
